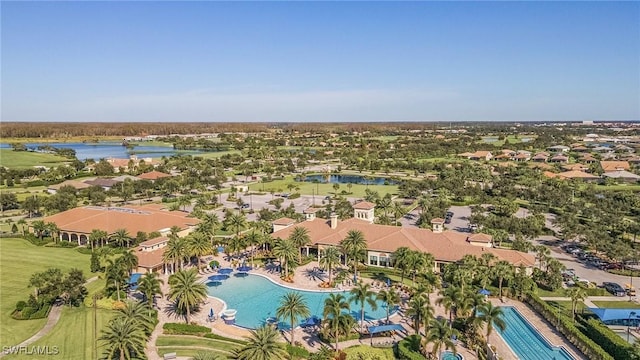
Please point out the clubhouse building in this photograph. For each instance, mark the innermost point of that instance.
(446, 246)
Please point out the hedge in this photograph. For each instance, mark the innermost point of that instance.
(409, 349)
(566, 326)
(607, 339)
(219, 337)
(185, 329)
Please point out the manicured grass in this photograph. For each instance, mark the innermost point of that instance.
(19, 259)
(73, 335)
(368, 352)
(196, 342)
(321, 190)
(618, 187)
(187, 352)
(216, 154)
(557, 293)
(617, 304)
(566, 306)
(27, 159)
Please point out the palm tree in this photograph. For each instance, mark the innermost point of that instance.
(285, 250)
(116, 273)
(208, 226)
(420, 310)
(129, 261)
(292, 306)
(492, 316)
(300, 237)
(400, 260)
(175, 251)
(502, 270)
(329, 259)
(362, 294)
(398, 212)
(390, 298)
(39, 227)
(333, 307)
(576, 294)
(121, 237)
(262, 344)
(203, 355)
(97, 235)
(123, 337)
(22, 222)
(354, 246)
(149, 285)
(542, 254)
(186, 290)
(237, 222)
(137, 312)
(53, 230)
(441, 334)
(199, 246)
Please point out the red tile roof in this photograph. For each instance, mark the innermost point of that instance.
(284, 221)
(153, 175)
(364, 205)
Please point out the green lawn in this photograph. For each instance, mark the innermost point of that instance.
(216, 154)
(73, 335)
(557, 293)
(368, 352)
(617, 304)
(190, 345)
(27, 159)
(321, 190)
(18, 260)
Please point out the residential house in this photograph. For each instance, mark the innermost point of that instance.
(609, 166)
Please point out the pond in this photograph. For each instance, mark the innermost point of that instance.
(103, 150)
(350, 179)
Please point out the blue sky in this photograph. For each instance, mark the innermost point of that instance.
(320, 61)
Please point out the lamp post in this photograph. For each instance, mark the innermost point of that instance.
(631, 314)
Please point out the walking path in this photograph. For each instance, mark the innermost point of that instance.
(52, 320)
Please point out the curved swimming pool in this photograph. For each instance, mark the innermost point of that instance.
(256, 299)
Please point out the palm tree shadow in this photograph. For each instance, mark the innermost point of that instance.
(172, 311)
(315, 274)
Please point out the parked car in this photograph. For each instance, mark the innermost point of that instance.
(614, 288)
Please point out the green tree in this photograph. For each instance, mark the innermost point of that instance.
(300, 238)
(139, 313)
(292, 306)
(199, 246)
(400, 259)
(149, 285)
(186, 291)
(123, 338)
(329, 259)
(362, 294)
(129, 261)
(576, 294)
(262, 344)
(333, 315)
(121, 237)
(440, 334)
(354, 246)
(420, 310)
(116, 273)
(502, 271)
(390, 297)
(285, 250)
(492, 316)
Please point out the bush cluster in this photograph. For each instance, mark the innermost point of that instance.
(185, 329)
(409, 349)
(607, 339)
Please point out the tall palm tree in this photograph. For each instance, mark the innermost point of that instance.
(129, 261)
(175, 251)
(199, 246)
(285, 250)
(292, 306)
(492, 316)
(300, 237)
(186, 290)
(96, 236)
(39, 227)
(123, 337)
(329, 259)
(362, 294)
(420, 310)
(149, 285)
(576, 294)
(440, 334)
(237, 222)
(400, 259)
(333, 307)
(209, 225)
(137, 312)
(451, 299)
(262, 344)
(121, 237)
(398, 212)
(354, 246)
(204, 355)
(390, 298)
(116, 273)
(503, 270)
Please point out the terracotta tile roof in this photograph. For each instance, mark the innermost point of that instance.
(448, 246)
(153, 175)
(109, 219)
(311, 210)
(614, 165)
(149, 259)
(364, 205)
(579, 167)
(549, 174)
(480, 237)
(284, 221)
(622, 174)
(102, 182)
(575, 174)
(437, 221)
(154, 241)
(78, 185)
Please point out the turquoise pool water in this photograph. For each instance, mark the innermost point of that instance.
(257, 298)
(448, 355)
(525, 341)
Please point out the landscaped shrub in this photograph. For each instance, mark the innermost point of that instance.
(566, 326)
(26, 312)
(42, 313)
(218, 337)
(409, 348)
(297, 352)
(35, 240)
(214, 264)
(20, 305)
(185, 329)
(294, 196)
(607, 339)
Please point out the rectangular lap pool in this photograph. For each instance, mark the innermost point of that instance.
(525, 341)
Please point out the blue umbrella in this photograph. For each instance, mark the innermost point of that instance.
(225, 271)
(211, 313)
(484, 292)
(244, 268)
(218, 277)
(388, 282)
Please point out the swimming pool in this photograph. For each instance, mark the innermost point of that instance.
(256, 299)
(525, 341)
(448, 355)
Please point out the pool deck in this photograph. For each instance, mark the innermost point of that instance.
(307, 278)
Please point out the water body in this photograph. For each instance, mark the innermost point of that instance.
(349, 179)
(105, 150)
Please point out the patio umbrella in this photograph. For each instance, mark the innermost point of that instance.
(210, 312)
(484, 292)
(225, 271)
(388, 282)
(218, 277)
(245, 268)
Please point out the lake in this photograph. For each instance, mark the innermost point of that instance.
(350, 179)
(105, 150)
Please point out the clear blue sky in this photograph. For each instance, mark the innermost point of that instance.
(320, 61)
